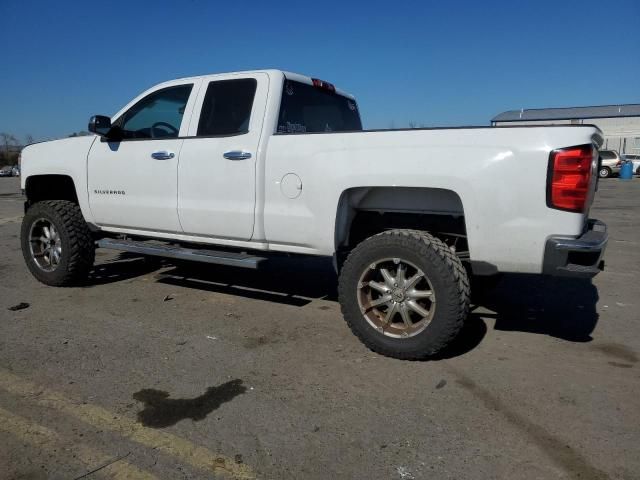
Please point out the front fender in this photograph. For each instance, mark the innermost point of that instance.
(67, 156)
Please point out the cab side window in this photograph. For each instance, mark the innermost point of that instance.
(158, 115)
(226, 109)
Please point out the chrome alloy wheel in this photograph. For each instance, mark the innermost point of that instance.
(45, 244)
(396, 298)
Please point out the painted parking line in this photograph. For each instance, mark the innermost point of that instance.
(4, 221)
(49, 441)
(101, 418)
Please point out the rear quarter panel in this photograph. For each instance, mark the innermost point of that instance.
(500, 175)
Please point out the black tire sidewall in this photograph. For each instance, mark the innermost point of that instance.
(602, 170)
(46, 211)
(433, 337)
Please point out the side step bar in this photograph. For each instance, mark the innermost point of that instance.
(171, 251)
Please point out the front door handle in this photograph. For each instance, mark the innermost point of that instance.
(163, 155)
(236, 155)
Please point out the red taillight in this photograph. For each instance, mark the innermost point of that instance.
(323, 85)
(569, 177)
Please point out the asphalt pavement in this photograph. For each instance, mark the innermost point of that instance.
(185, 371)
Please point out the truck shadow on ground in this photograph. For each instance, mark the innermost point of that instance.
(563, 308)
(290, 281)
(123, 266)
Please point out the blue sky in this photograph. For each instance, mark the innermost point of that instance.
(433, 63)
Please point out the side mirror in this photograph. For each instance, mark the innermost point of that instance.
(100, 125)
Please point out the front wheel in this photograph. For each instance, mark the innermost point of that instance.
(404, 294)
(56, 243)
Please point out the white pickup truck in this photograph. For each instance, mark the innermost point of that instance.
(235, 168)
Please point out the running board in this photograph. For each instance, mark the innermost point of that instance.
(170, 251)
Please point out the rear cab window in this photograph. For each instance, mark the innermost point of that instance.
(226, 109)
(307, 108)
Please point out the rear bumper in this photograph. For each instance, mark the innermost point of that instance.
(577, 257)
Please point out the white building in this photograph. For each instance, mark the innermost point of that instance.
(619, 123)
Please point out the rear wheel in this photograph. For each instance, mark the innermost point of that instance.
(56, 243)
(604, 172)
(404, 294)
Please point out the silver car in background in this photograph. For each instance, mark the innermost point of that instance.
(610, 163)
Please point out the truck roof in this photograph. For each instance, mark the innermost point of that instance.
(271, 72)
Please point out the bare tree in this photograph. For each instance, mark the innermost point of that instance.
(29, 139)
(6, 142)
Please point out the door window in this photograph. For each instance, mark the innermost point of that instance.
(158, 115)
(226, 109)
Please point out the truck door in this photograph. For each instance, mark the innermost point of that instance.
(217, 168)
(133, 182)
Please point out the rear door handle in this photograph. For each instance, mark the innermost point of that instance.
(236, 155)
(163, 155)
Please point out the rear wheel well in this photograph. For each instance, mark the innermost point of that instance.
(50, 187)
(448, 228)
(364, 212)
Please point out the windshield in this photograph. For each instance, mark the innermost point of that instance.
(607, 155)
(308, 109)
